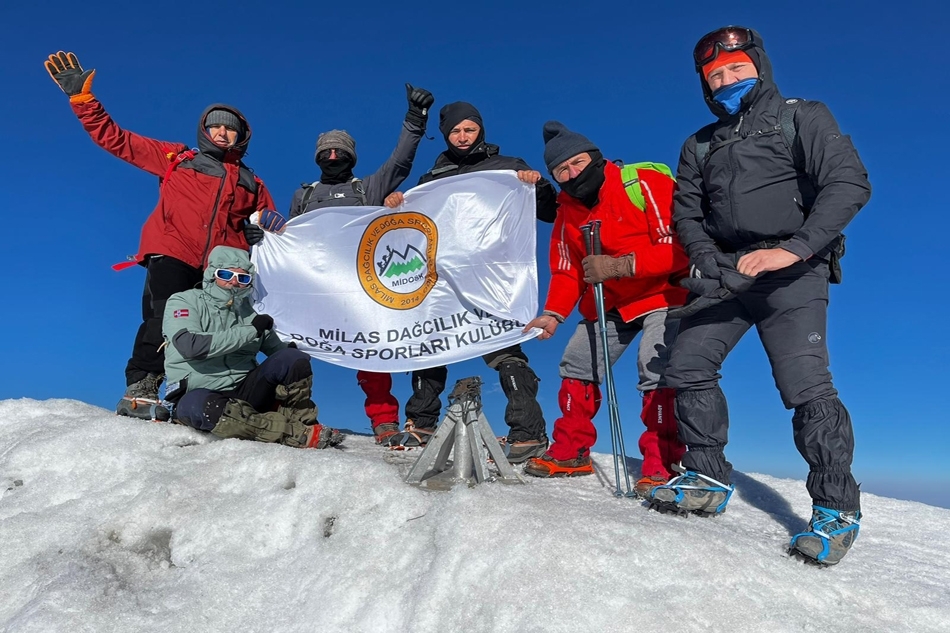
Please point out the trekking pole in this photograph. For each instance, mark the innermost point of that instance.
(612, 402)
(591, 233)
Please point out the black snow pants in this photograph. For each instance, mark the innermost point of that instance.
(519, 382)
(202, 408)
(166, 276)
(789, 309)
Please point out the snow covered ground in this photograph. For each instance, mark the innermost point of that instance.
(109, 524)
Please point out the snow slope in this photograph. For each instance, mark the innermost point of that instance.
(109, 524)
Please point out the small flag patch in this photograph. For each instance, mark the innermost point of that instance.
(180, 313)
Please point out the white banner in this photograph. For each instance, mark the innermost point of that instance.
(450, 275)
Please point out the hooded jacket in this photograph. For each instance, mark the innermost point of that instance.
(375, 187)
(624, 230)
(203, 201)
(748, 189)
(209, 339)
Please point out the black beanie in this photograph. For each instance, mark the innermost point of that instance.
(454, 113)
(560, 144)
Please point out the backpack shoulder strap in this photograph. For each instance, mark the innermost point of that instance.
(307, 193)
(359, 190)
(658, 190)
(176, 160)
(631, 180)
(786, 122)
(703, 139)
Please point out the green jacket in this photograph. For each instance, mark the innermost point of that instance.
(209, 339)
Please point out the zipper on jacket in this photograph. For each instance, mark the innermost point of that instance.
(214, 213)
(732, 180)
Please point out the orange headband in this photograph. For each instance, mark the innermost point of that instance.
(726, 57)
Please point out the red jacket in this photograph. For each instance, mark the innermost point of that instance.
(203, 202)
(624, 229)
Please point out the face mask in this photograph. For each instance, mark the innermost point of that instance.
(333, 172)
(587, 184)
(730, 97)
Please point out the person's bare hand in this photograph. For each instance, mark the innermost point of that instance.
(546, 323)
(766, 260)
(529, 176)
(394, 199)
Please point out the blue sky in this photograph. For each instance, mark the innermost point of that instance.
(620, 75)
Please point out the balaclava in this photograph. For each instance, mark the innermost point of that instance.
(337, 171)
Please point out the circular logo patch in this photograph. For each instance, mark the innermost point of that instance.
(814, 337)
(396, 259)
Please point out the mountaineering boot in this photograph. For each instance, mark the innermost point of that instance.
(384, 432)
(645, 486)
(141, 400)
(829, 537)
(547, 466)
(520, 452)
(412, 437)
(319, 436)
(691, 492)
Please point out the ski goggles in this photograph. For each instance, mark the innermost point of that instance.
(344, 155)
(226, 275)
(729, 39)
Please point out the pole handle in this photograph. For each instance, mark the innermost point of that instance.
(595, 235)
(586, 232)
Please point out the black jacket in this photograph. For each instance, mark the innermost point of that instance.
(748, 189)
(485, 157)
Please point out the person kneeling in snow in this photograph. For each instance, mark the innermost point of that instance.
(212, 337)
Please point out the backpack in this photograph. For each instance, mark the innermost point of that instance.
(659, 220)
(309, 188)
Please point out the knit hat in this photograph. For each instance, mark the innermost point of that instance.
(560, 144)
(726, 57)
(336, 139)
(226, 118)
(454, 113)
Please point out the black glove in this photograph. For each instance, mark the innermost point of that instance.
(65, 70)
(262, 323)
(704, 266)
(253, 233)
(707, 292)
(420, 100)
